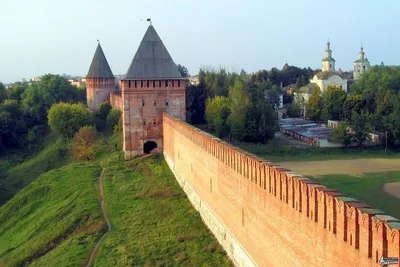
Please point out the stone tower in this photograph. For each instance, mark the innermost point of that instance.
(361, 65)
(328, 62)
(152, 85)
(100, 80)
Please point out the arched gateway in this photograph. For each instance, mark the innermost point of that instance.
(149, 146)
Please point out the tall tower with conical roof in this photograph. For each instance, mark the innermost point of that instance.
(361, 65)
(152, 85)
(328, 62)
(100, 80)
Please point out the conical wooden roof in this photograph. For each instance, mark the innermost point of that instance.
(152, 60)
(99, 67)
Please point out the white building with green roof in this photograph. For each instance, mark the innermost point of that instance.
(361, 65)
(329, 76)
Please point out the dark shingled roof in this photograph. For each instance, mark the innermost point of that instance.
(99, 67)
(152, 60)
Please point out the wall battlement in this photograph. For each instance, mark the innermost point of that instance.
(278, 217)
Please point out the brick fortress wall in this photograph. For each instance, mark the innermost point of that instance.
(116, 100)
(143, 103)
(97, 91)
(269, 216)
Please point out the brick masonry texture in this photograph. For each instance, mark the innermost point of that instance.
(265, 215)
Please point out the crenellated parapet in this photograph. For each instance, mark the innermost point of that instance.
(368, 232)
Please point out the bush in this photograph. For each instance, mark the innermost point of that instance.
(105, 109)
(84, 146)
(340, 135)
(113, 118)
(118, 127)
(66, 119)
(99, 122)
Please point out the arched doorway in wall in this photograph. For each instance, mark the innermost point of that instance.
(149, 146)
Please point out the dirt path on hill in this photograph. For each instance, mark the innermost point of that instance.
(393, 189)
(102, 203)
(349, 166)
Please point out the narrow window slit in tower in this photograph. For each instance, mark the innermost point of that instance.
(166, 103)
(154, 83)
(141, 83)
(129, 84)
(148, 84)
(166, 83)
(179, 83)
(173, 84)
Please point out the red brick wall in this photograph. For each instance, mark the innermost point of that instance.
(144, 102)
(98, 91)
(116, 100)
(280, 218)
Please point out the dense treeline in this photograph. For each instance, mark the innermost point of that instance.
(373, 104)
(241, 107)
(24, 107)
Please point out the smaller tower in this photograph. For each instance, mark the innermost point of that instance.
(361, 65)
(328, 62)
(100, 80)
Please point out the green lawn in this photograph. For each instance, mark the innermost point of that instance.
(368, 189)
(54, 221)
(277, 153)
(153, 221)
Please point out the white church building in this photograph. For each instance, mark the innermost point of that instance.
(328, 75)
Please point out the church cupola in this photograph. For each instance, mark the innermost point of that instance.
(100, 80)
(328, 62)
(361, 65)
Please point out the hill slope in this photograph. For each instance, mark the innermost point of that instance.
(54, 221)
(153, 222)
(14, 178)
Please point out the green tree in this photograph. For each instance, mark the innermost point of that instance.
(314, 105)
(16, 90)
(333, 99)
(239, 103)
(113, 118)
(183, 71)
(40, 96)
(341, 135)
(393, 122)
(361, 126)
(105, 109)
(66, 119)
(3, 92)
(217, 112)
(352, 103)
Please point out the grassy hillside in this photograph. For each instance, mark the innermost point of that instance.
(368, 189)
(14, 177)
(54, 221)
(153, 221)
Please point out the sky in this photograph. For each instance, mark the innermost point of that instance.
(53, 36)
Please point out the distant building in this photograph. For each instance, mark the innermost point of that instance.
(77, 83)
(194, 80)
(361, 65)
(329, 76)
